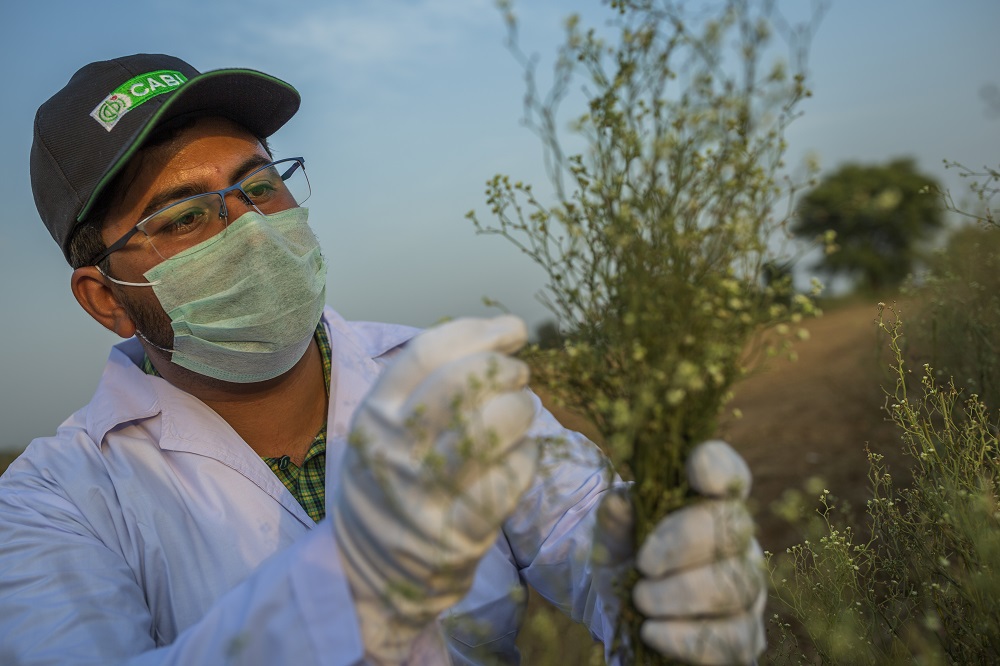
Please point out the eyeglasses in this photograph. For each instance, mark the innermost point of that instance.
(274, 187)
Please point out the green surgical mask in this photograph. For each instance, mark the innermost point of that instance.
(245, 309)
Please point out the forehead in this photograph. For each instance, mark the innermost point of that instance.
(202, 146)
(203, 153)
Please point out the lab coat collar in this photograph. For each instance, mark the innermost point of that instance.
(357, 348)
(126, 394)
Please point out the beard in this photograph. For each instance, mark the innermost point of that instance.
(150, 320)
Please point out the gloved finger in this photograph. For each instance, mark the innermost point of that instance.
(465, 519)
(714, 469)
(726, 587)
(613, 531)
(493, 495)
(737, 639)
(440, 345)
(485, 438)
(502, 422)
(460, 387)
(695, 535)
(439, 462)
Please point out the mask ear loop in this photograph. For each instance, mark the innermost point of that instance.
(153, 344)
(137, 284)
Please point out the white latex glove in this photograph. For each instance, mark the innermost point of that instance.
(702, 588)
(437, 462)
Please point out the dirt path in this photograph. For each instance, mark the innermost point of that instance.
(814, 417)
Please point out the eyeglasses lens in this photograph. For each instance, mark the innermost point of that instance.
(191, 222)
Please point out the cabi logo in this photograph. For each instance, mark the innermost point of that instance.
(134, 93)
(111, 109)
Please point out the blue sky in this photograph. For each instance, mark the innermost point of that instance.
(408, 107)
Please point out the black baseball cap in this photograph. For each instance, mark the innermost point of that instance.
(86, 132)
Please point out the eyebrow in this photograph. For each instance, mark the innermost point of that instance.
(190, 189)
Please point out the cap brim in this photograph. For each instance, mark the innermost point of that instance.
(257, 101)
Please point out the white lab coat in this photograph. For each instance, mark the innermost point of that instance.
(146, 531)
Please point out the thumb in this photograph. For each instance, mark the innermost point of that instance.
(714, 469)
(613, 538)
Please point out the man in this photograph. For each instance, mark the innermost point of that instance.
(257, 480)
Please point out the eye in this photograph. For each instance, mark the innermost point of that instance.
(259, 190)
(178, 220)
(261, 187)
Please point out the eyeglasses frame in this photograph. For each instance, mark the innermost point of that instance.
(223, 212)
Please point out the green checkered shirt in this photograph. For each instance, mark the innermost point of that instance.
(307, 483)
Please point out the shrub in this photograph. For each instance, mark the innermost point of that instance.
(959, 319)
(922, 584)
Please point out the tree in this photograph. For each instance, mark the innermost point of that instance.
(879, 214)
(548, 335)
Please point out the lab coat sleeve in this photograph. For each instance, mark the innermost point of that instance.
(67, 598)
(552, 530)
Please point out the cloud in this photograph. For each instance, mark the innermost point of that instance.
(376, 34)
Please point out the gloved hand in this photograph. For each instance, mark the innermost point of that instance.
(437, 462)
(702, 588)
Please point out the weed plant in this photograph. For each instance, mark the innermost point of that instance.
(660, 230)
(920, 582)
(984, 185)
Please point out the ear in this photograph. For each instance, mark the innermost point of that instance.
(94, 294)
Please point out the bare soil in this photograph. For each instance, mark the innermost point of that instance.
(815, 417)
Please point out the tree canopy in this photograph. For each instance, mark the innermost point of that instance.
(880, 215)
